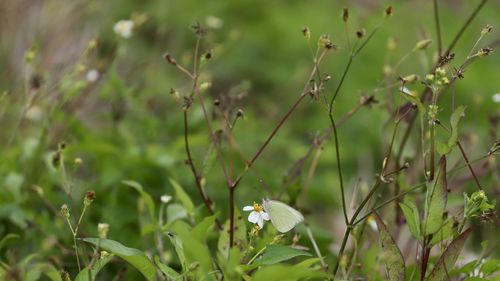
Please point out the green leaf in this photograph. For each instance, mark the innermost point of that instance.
(442, 148)
(446, 231)
(182, 196)
(98, 265)
(133, 256)
(47, 269)
(279, 253)
(230, 264)
(435, 201)
(391, 255)
(145, 196)
(179, 249)
(283, 272)
(168, 271)
(8, 237)
(201, 230)
(449, 257)
(490, 266)
(196, 250)
(455, 118)
(240, 235)
(412, 217)
(175, 212)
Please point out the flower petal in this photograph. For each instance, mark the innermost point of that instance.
(265, 216)
(248, 208)
(253, 217)
(260, 222)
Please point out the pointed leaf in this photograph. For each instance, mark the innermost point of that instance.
(435, 201)
(412, 217)
(145, 196)
(179, 249)
(201, 230)
(133, 256)
(279, 253)
(240, 234)
(394, 261)
(182, 196)
(98, 265)
(455, 118)
(281, 272)
(449, 257)
(445, 232)
(165, 269)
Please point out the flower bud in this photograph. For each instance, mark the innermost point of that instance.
(360, 33)
(78, 161)
(486, 30)
(89, 197)
(205, 85)
(388, 11)
(102, 230)
(65, 211)
(306, 32)
(345, 14)
(423, 44)
(410, 78)
(175, 94)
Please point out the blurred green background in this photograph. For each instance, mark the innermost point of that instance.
(126, 125)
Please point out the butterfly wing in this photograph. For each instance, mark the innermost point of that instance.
(282, 216)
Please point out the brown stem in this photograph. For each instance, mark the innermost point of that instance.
(206, 200)
(231, 216)
(470, 167)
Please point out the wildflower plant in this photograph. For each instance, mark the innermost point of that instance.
(179, 167)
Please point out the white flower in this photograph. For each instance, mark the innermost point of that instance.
(371, 222)
(214, 22)
(124, 28)
(102, 229)
(165, 198)
(257, 215)
(92, 75)
(496, 98)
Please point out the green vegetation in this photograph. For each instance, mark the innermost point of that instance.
(140, 138)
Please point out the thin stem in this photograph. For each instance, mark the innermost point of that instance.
(464, 27)
(339, 168)
(257, 255)
(280, 123)
(438, 27)
(73, 233)
(388, 202)
(206, 200)
(231, 216)
(468, 165)
(316, 248)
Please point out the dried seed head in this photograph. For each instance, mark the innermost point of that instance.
(306, 32)
(208, 54)
(216, 102)
(78, 161)
(410, 78)
(169, 58)
(89, 198)
(345, 14)
(360, 33)
(484, 52)
(324, 41)
(175, 94)
(487, 29)
(240, 113)
(388, 11)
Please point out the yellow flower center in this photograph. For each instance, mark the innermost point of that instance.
(257, 207)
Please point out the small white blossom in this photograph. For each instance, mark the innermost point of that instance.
(214, 22)
(496, 98)
(371, 222)
(165, 198)
(92, 75)
(102, 230)
(124, 28)
(257, 216)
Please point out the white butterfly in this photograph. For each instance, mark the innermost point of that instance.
(282, 216)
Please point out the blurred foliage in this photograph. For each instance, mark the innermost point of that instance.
(67, 77)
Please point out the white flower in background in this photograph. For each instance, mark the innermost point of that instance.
(124, 28)
(257, 216)
(165, 198)
(371, 222)
(92, 75)
(214, 22)
(102, 230)
(496, 98)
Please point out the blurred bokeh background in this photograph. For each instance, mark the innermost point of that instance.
(111, 104)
